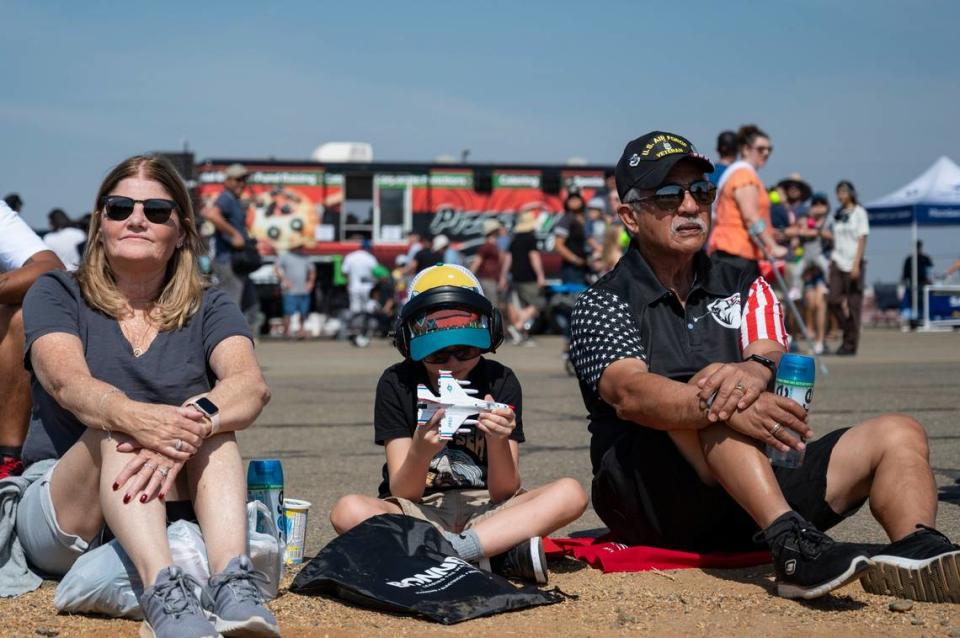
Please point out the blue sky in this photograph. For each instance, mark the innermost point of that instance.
(866, 91)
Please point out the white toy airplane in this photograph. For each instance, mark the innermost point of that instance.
(456, 402)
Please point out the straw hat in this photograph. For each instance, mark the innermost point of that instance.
(526, 222)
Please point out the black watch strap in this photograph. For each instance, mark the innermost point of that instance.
(765, 362)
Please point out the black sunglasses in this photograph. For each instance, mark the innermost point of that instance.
(157, 211)
(464, 353)
(669, 196)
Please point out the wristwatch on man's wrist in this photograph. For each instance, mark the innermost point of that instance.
(767, 363)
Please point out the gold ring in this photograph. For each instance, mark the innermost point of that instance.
(742, 389)
(775, 429)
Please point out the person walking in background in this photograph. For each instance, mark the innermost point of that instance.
(358, 267)
(430, 253)
(64, 238)
(596, 226)
(452, 254)
(571, 240)
(727, 151)
(524, 266)
(924, 278)
(487, 262)
(849, 235)
(414, 245)
(612, 196)
(813, 267)
(297, 276)
(743, 206)
(229, 216)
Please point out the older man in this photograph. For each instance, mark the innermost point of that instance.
(675, 353)
(23, 258)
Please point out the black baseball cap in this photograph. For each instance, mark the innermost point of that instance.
(647, 160)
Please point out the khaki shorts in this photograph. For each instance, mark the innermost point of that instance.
(491, 290)
(453, 510)
(529, 294)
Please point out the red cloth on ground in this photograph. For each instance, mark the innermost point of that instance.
(615, 557)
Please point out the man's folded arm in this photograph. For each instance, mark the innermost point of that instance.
(651, 399)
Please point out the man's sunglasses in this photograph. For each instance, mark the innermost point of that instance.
(669, 196)
(464, 353)
(157, 211)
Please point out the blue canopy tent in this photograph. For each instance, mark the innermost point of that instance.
(932, 199)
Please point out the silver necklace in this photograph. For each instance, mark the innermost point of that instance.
(138, 344)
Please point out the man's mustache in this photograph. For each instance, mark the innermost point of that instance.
(688, 221)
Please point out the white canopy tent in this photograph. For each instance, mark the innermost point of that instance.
(932, 199)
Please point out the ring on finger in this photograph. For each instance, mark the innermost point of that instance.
(164, 471)
(775, 429)
(178, 445)
(742, 389)
(150, 466)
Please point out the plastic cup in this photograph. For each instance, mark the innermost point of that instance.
(296, 520)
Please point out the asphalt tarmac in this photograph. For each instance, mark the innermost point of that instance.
(320, 420)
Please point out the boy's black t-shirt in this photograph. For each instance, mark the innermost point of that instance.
(462, 464)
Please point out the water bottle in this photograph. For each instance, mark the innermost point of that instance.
(265, 484)
(795, 377)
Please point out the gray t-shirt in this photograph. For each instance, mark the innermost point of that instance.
(175, 367)
(296, 268)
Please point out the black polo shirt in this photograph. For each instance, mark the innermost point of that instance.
(629, 313)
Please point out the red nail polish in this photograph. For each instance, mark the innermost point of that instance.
(126, 499)
(143, 498)
(116, 486)
(163, 497)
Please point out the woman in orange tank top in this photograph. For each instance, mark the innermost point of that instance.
(742, 204)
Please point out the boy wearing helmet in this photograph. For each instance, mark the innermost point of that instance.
(468, 487)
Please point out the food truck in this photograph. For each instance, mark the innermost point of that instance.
(325, 208)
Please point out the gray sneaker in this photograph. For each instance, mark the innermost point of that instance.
(171, 610)
(238, 609)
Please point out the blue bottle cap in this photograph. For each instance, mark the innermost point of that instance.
(267, 472)
(797, 367)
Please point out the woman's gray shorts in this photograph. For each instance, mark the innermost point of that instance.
(47, 546)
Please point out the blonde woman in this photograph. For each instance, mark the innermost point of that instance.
(612, 249)
(140, 377)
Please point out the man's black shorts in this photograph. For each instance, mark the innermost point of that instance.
(648, 494)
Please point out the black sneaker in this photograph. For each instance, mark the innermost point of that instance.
(525, 561)
(923, 566)
(807, 562)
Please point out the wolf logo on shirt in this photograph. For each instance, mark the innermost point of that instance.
(727, 311)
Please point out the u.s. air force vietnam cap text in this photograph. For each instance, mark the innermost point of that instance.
(647, 160)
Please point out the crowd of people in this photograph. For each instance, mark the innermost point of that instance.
(125, 381)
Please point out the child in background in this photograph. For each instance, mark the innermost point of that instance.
(468, 487)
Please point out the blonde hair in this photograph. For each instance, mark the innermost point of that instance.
(182, 292)
(611, 252)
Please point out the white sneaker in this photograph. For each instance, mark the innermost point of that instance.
(515, 336)
(818, 347)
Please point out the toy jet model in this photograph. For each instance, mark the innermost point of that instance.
(457, 403)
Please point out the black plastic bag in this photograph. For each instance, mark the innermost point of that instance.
(245, 260)
(403, 565)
